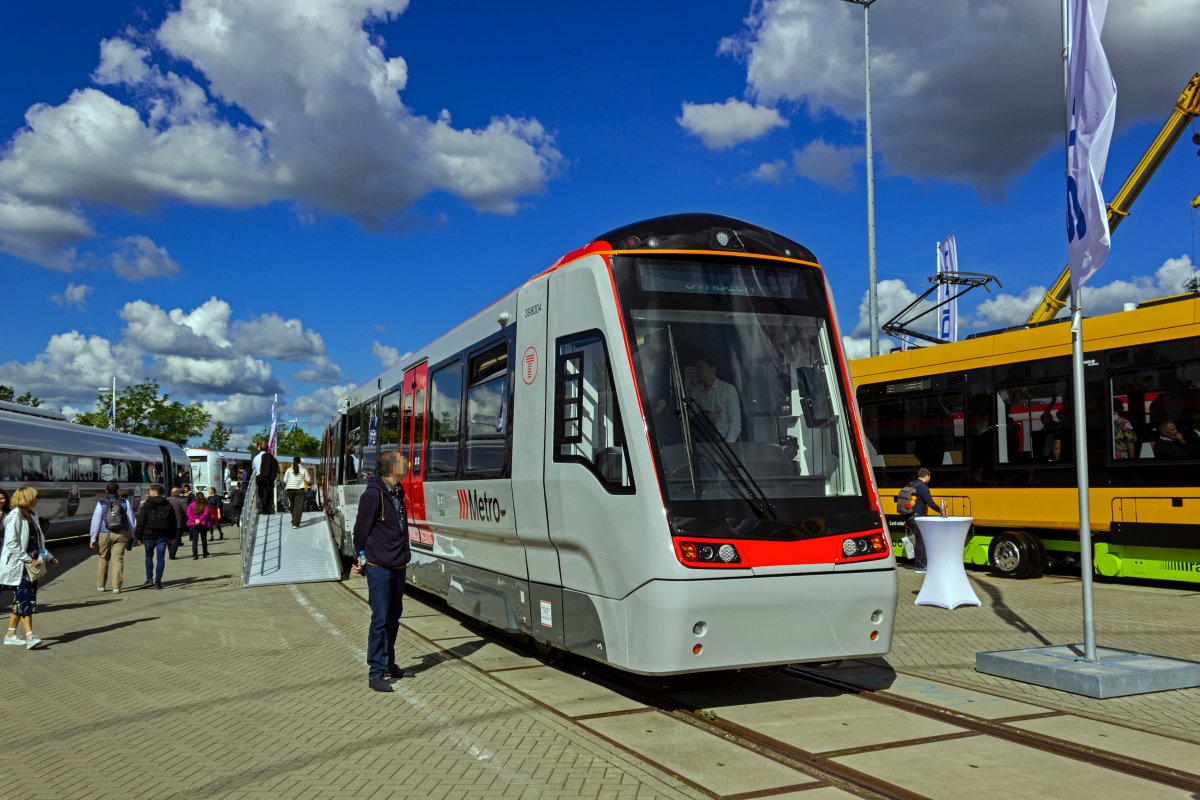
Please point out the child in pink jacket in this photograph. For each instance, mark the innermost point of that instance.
(199, 522)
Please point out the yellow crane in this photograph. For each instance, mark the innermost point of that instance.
(1186, 108)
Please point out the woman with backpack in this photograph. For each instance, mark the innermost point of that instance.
(24, 544)
(199, 520)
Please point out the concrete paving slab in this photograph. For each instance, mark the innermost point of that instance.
(1106, 736)
(814, 718)
(714, 764)
(438, 627)
(819, 793)
(982, 767)
(567, 694)
(492, 656)
(966, 701)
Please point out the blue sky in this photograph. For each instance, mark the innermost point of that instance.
(240, 198)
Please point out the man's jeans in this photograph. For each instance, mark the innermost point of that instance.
(157, 544)
(385, 593)
(910, 526)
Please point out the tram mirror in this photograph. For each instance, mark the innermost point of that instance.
(814, 398)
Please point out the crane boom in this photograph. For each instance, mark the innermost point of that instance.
(1186, 108)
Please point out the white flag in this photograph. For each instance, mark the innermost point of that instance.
(273, 440)
(947, 261)
(1092, 100)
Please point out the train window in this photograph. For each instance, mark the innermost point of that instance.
(445, 401)
(1155, 413)
(59, 469)
(487, 413)
(1035, 424)
(390, 429)
(587, 419)
(31, 467)
(10, 466)
(406, 421)
(918, 429)
(418, 450)
(354, 431)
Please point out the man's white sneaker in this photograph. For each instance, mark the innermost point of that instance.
(101, 589)
(32, 642)
(14, 640)
(116, 591)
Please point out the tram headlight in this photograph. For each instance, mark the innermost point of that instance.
(863, 546)
(709, 553)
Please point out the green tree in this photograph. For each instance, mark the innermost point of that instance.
(27, 399)
(293, 443)
(143, 411)
(218, 439)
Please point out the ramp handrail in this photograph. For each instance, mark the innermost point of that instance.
(248, 523)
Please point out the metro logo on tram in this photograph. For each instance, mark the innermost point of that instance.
(478, 506)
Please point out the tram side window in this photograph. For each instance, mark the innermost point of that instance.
(1034, 424)
(389, 430)
(445, 401)
(487, 413)
(1156, 413)
(921, 429)
(587, 420)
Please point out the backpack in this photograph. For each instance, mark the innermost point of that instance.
(114, 516)
(906, 500)
(160, 516)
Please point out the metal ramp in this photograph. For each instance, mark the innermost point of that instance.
(278, 553)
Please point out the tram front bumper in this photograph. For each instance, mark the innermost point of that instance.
(726, 623)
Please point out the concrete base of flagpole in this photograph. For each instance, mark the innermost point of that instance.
(1114, 673)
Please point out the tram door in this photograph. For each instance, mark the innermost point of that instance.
(412, 445)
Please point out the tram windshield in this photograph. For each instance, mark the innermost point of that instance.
(741, 389)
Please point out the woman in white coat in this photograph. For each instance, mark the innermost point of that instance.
(24, 544)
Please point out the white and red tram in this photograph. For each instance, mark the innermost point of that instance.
(648, 454)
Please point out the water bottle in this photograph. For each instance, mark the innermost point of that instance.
(362, 558)
(944, 507)
(46, 554)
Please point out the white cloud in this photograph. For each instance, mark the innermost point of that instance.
(241, 375)
(999, 61)
(276, 337)
(770, 172)
(239, 410)
(319, 407)
(72, 367)
(293, 76)
(137, 258)
(76, 294)
(200, 333)
(827, 164)
(388, 356)
(723, 125)
(319, 370)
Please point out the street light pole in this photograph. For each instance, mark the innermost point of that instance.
(872, 288)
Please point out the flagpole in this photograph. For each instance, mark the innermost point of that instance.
(1081, 457)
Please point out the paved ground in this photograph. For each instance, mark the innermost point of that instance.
(935, 643)
(205, 689)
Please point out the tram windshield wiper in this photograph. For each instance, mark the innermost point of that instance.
(734, 466)
(681, 410)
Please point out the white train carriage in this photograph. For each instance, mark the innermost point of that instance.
(647, 454)
(71, 464)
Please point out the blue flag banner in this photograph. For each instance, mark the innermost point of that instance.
(1092, 101)
(371, 434)
(947, 261)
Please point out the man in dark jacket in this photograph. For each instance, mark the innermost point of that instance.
(181, 520)
(381, 540)
(268, 470)
(157, 521)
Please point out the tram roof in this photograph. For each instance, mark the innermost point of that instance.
(58, 436)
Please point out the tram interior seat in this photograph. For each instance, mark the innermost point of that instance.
(1146, 450)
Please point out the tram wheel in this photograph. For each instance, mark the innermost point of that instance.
(1015, 554)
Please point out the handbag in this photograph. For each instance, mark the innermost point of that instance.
(36, 572)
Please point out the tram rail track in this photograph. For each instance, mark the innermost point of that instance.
(820, 766)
